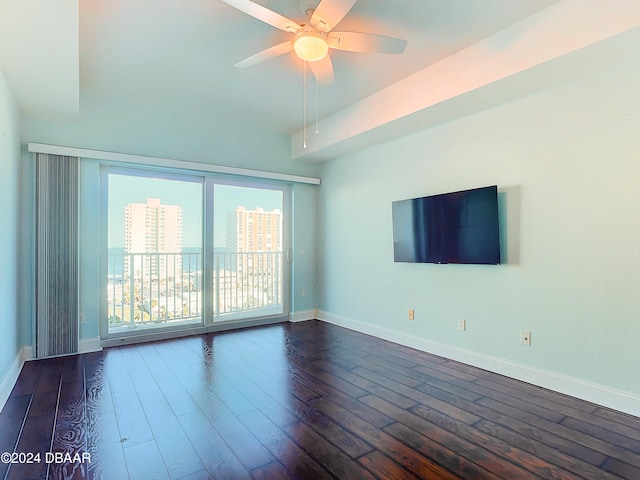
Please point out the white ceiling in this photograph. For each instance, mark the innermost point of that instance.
(170, 59)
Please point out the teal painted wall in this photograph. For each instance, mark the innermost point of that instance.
(304, 267)
(566, 161)
(27, 248)
(207, 141)
(9, 218)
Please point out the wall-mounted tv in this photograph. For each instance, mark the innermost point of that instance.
(457, 227)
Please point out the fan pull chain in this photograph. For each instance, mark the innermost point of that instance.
(304, 105)
(317, 106)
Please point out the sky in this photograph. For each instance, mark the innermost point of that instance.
(125, 189)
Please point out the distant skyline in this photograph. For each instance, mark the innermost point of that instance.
(124, 189)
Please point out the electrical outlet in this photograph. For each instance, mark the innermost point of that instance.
(462, 325)
(304, 292)
(411, 315)
(525, 337)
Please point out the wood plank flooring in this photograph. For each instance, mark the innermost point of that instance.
(306, 400)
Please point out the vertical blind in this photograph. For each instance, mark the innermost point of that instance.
(56, 256)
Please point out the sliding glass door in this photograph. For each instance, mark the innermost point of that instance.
(154, 258)
(189, 252)
(248, 252)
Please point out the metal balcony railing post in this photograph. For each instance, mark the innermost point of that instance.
(132, 291)
(216, 287)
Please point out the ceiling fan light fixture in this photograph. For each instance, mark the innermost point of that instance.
(310, 46)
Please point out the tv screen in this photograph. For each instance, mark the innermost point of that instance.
(457, 227)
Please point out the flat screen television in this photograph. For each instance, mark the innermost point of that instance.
(457, 227)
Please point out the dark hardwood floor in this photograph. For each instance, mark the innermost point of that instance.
(307, 400)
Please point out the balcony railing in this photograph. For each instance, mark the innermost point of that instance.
(147, 289)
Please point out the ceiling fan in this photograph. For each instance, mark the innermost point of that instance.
(312, 41)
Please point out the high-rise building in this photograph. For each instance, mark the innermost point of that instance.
(254, 230)
(256, 236)
(154, 230)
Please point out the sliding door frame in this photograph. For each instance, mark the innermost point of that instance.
(208, 181)
(210, 184)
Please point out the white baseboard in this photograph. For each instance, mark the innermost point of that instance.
(599, 394)
(302, 316)
(27, 353)
(9, 380)
(87, 345)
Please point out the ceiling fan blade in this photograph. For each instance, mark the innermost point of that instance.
(365, 42)
(323, 70)
(328, 13)
(267, 16)
(268, 54)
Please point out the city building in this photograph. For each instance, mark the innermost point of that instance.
(254, 230)
(154, 230)
(254, 233)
